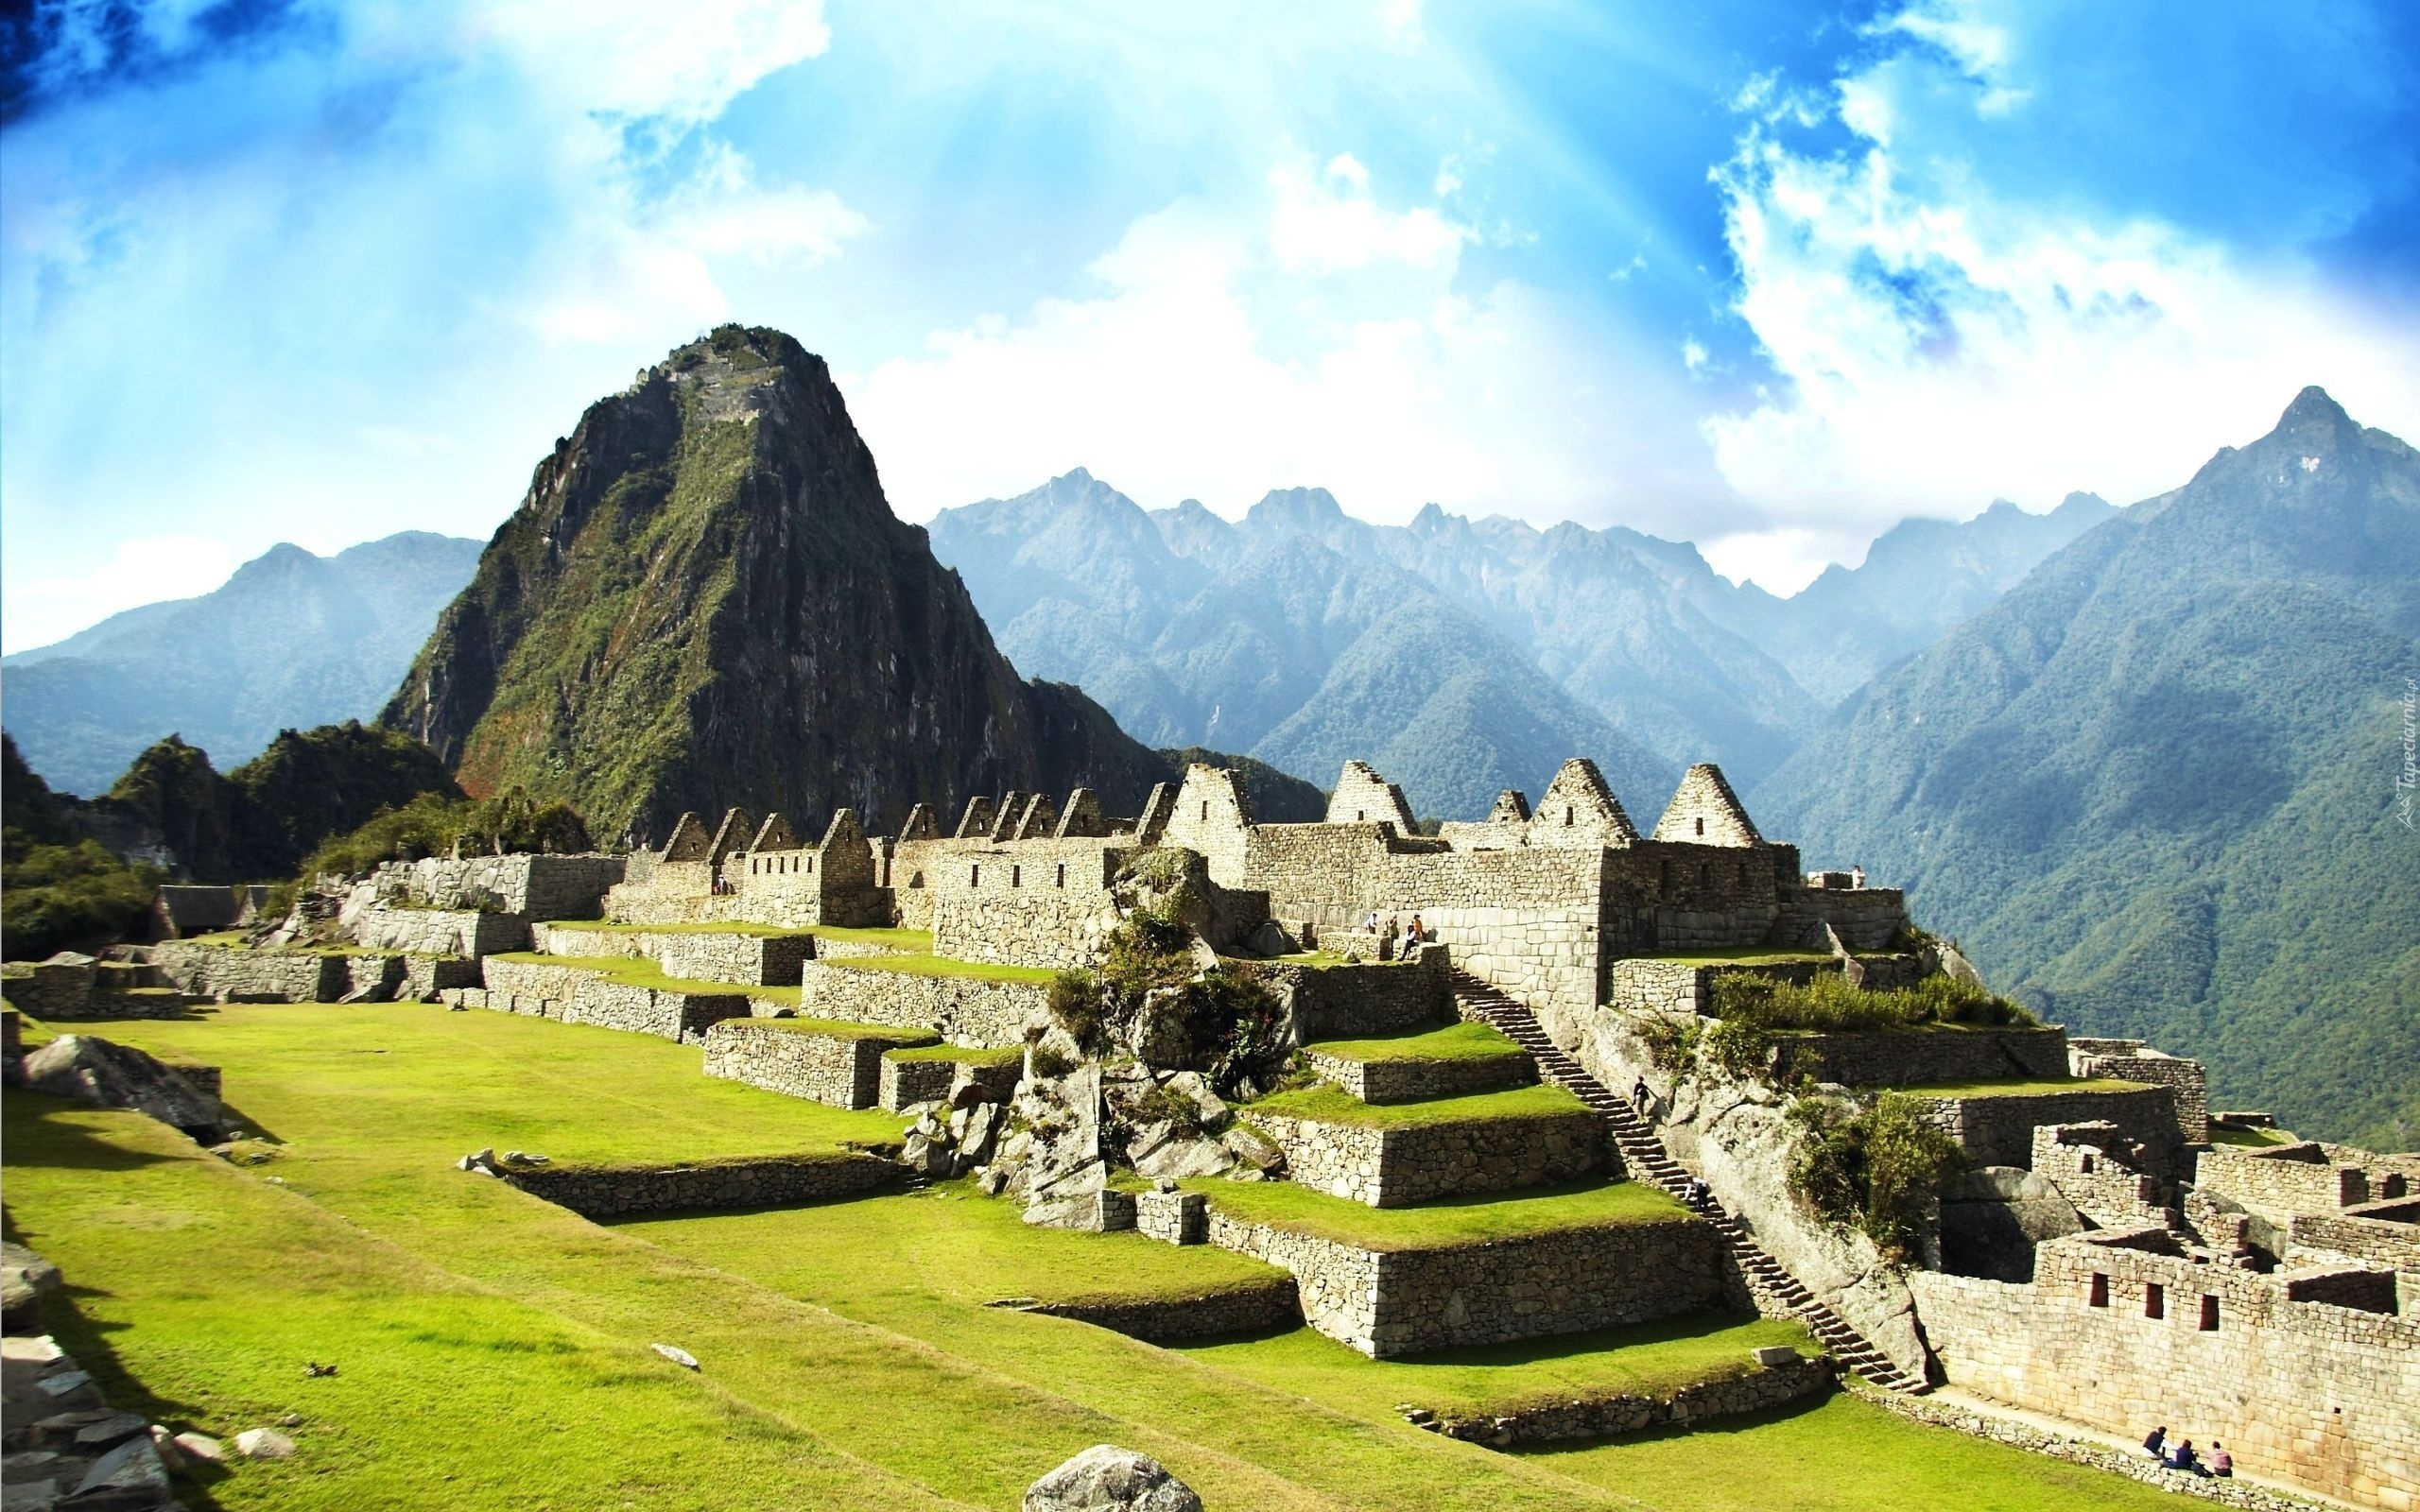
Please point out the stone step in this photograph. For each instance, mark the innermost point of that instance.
(1642, 1152)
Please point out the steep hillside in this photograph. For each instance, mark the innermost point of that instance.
(1289, 636)
(704, 600)
(2153, 788)
(289, 642)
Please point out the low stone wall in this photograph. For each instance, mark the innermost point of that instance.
(906, 1082)
(2382, 1234)
(55, 988)
(440, 931)
(234, 974)
(573, 995)
(1914, 1056)
(963, 1010)
(1395, 1167)
(2280, 1180)
(1263, 1307)
(1756, 1390)
(425, 976)
(2132, 1464)
(1413, 1081)
(1646, 984)
(1999, 1131)
(1387, 1304)
(747, 961)
(2132, 1061)
(841, 1065)
(139, 1003)
(530, 886)
(1347, 1002)
(748, 1181)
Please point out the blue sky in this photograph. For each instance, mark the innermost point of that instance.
(1763, 276)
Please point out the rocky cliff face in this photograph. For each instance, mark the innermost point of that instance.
(704, 600)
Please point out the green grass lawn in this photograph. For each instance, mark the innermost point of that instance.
(642, 971)
(1334, 1105)
(492, 1349)
(1457, 1041)
(960, 1055)
(930, 965)
(899, 939)
(2252, 1139)
(2023, 1086)
(1449, 1221)
(842, 1029)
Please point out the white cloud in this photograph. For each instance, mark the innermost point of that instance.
(1940, 344)
(640, 57)
(1216, 360)
(44, 610)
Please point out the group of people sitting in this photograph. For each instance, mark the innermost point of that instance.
(1414, 933)
(2180, 1455)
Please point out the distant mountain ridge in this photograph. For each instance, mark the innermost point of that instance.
(1462, 656)
(291, 641)
(2151, 789)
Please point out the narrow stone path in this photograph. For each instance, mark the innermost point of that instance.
(1646, 1157)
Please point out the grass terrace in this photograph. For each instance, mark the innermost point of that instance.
(849, 1360)
(959, 1055)
(2250, 1139)
(640, 971)
(1448, 1223)
(1326, 1103)
(2023, 1086)
(842, 1029)
(1458, 1042)
(928, 964)
(1747, 957)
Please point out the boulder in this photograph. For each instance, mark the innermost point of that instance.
(677, 1355)
(128, 1477)
(89, 1068)
(1105, 1478)
(201, 1447)
(263, 1443)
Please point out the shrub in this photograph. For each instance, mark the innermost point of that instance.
(70, 897)
(1830, 1002)
(1162, 1105)
(1048, 1061)
(1671, 1042)
(1159, 868)
(1739, 1048)
(1875, 1168)
(1076, 1007)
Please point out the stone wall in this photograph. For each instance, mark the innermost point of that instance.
(54, 989)
(1387, 1304)
(236, 974)
(837, 1064)
(1362, 797)
(1756, 1390)
(2086, 1163)
(905, 1081)
(1412, 1081)
(1645, 983)
(744, 1181)
(2278, 1181)
(1917, 1056)
(1999, 1131)
(573, 995)
(963, 1010)
(440, 931)
(2305, 1392)
(1866, 918)
(2131, 1060)
(749, 960)
(1350, 1001)
(1683, 895)
(425, 976)
(1397, 1167)
(1255, 1307)
(532, 887)
(1028, 903)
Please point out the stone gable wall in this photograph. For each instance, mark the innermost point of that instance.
(845, 1070)
(2182, 1077)
(1362, 797)
(963, 1011)
(595, 1192)
(1394, 1167)
(1210, 815)
(1029, 902)
(2308, 1393)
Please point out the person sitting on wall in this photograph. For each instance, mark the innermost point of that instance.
(2156, 1444)
(1417, 937)
(2221, 1463)
(2183, 1458)
(1372, 927)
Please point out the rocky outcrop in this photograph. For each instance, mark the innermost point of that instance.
(1105, 1478)
(704, 594)
(92, 1070)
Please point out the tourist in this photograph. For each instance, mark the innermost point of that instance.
(1698, 1193)
(1387, 938)
(2181, 1458)
(1857, 877)
(1371, 927)
(1641, 1098)
(1418, 936)
(2221, 1463)
(2156, 1444)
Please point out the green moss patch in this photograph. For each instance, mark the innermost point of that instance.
(930, 965)
(1333, 1105)
(1448, 1224)
(960, 1055)
(1459, 1041)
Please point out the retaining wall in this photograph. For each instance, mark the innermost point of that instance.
(440, 931)
(1412, 1081)
(839, 1066)
(1264, 1307)
(963, 1010)
(756, 1181)
(575, 996)
(1395, 1167)
(749, 960)
(1757, 1390)
(1349, 1002)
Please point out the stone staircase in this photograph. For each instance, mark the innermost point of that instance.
(1646, 1157)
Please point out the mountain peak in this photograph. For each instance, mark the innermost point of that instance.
(1304, 508)
(2313, 406)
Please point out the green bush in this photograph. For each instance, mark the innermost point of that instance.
(1671, 1042)
(1076, 1007)
(1875, 1168)
(70, 897)
(1739, 1048)
(1162, 1104)
(1048, 1061)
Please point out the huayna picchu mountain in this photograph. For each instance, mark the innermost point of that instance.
(705, 600)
